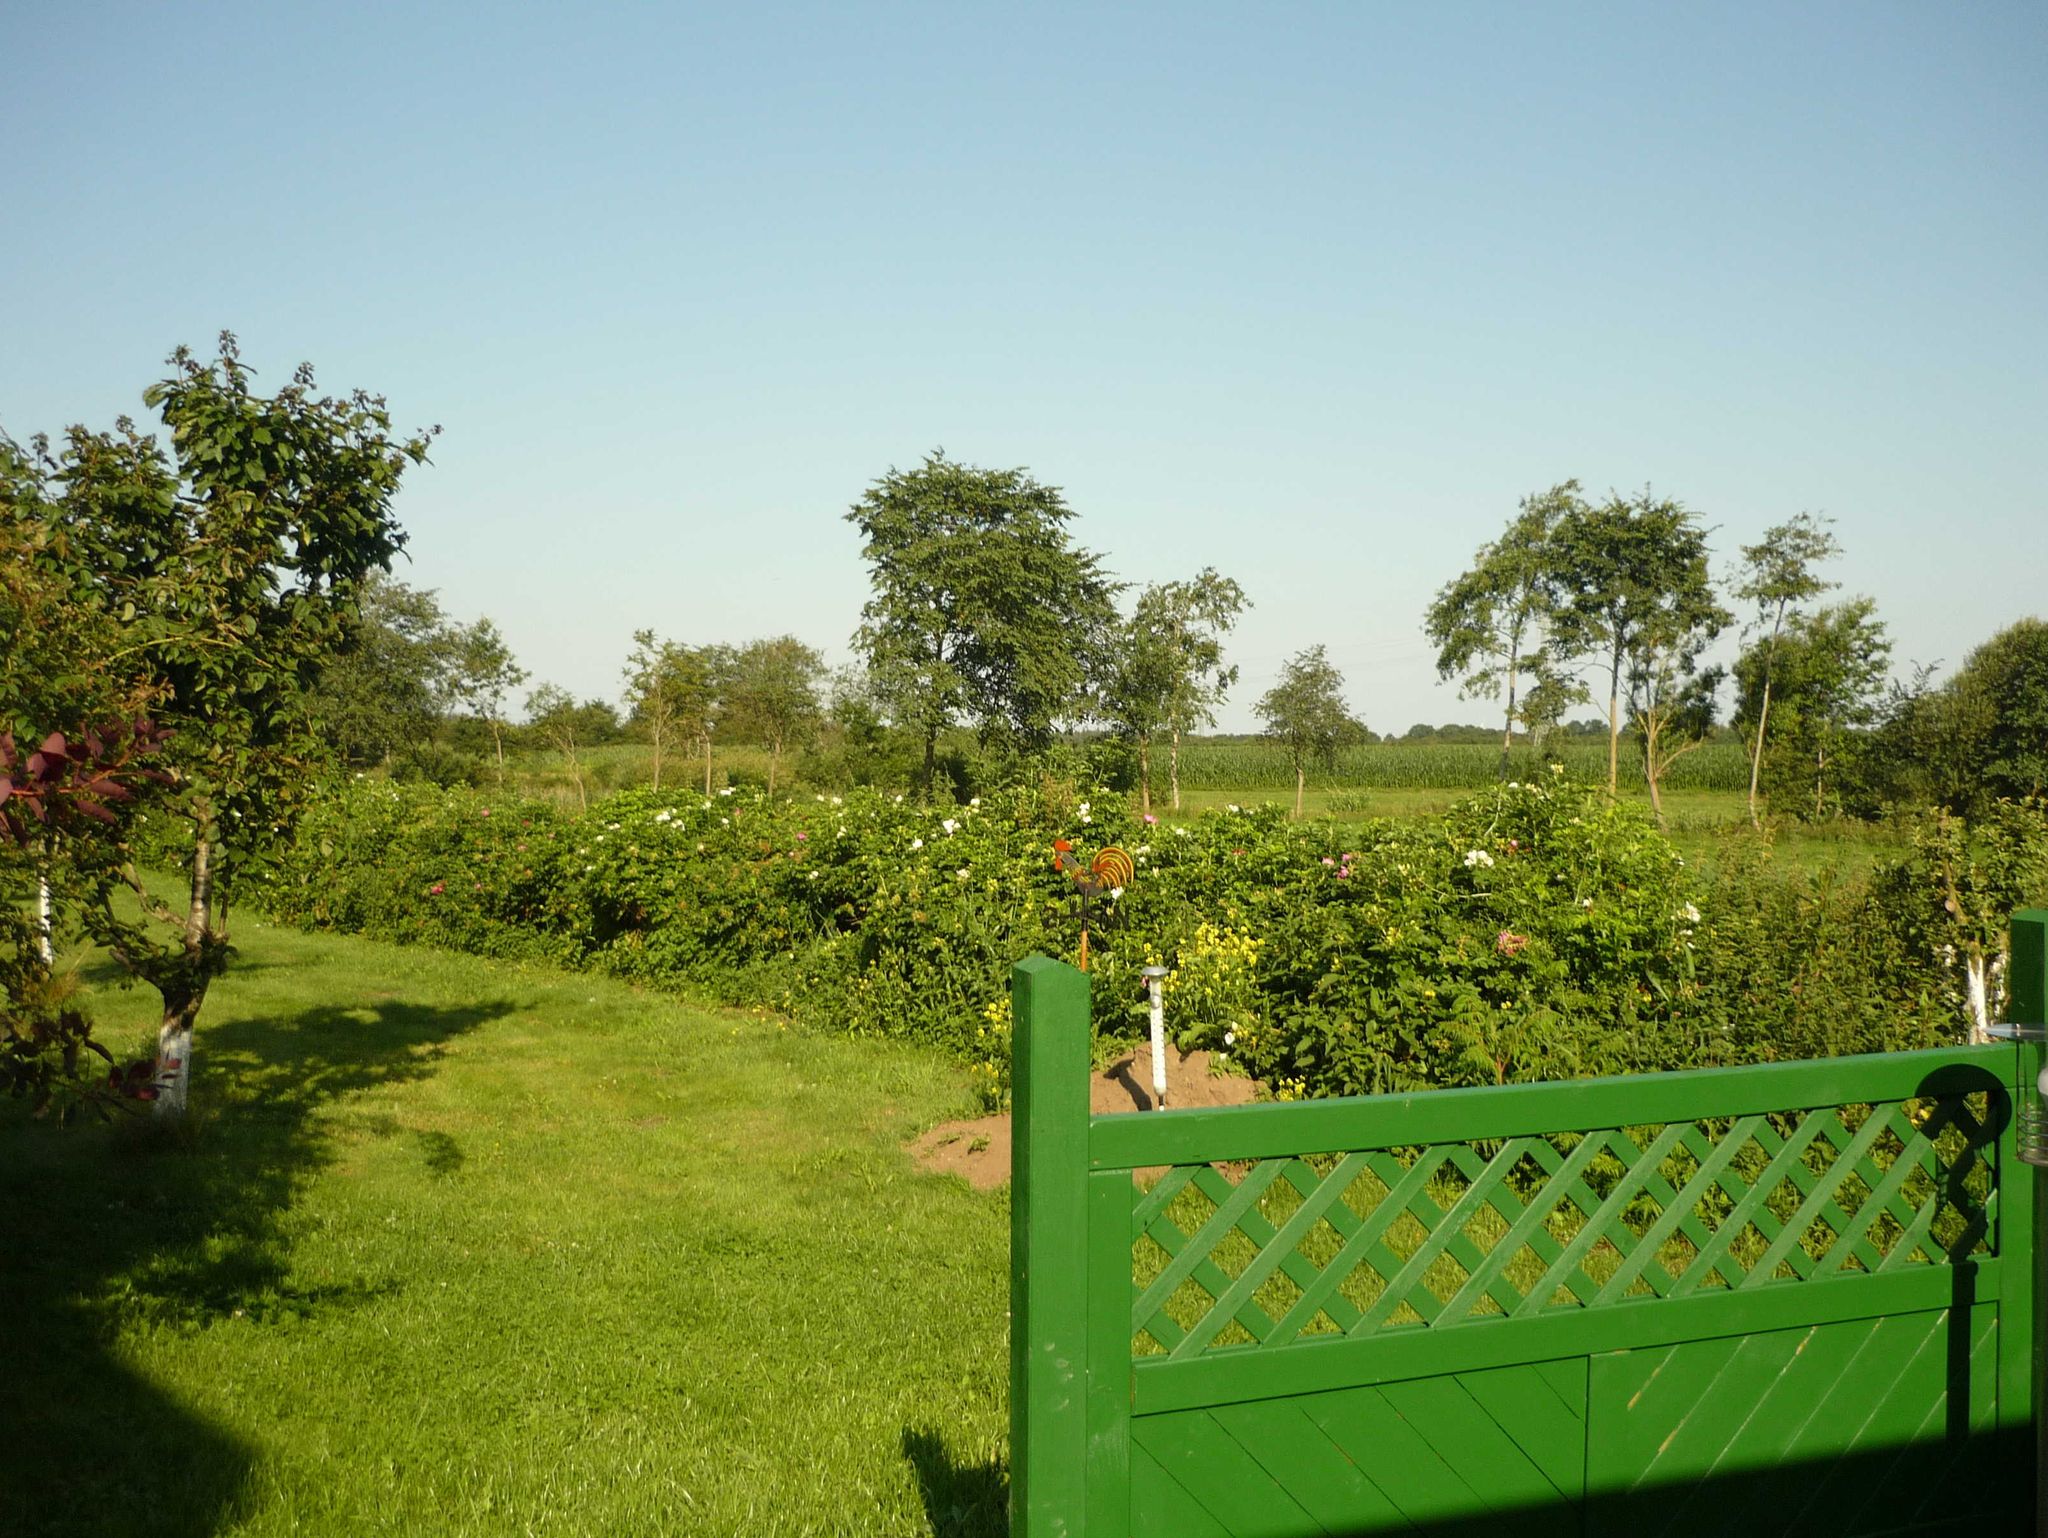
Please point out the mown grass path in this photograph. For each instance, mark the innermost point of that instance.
(465, 1248)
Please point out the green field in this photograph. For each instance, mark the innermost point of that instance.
(1208, 765)
(466, 1248)
(1705, 804)
(1205, 766)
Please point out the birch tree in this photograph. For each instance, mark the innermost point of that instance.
(1779, 575)
(482, 671)
(1168, 674)
(1305, 713)
(1489, 623)
(1634, 584)
(773, 695)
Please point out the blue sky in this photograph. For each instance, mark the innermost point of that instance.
(1310, 294)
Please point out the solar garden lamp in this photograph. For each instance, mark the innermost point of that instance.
(1154, 981)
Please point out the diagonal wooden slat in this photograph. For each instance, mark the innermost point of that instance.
(1573, 1188)
(1790, 1242)
(1405, 1287)
(1884, 1191)
(1154, 1202)
(1204, 1240)
(1810, 1169)
(1608, 1216)
(1750, 1209)
(1679, 1211)
(1274, 1253)
(1207, 1275)
(1362, 1240)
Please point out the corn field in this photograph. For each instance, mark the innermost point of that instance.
(1443, 766)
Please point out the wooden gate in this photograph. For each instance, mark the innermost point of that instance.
(1796, 1298)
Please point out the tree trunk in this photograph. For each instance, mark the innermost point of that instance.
(655, 738)
(707, 763)
(1507, 734)
(1145, 776)
(1976, 984)
(498, 742)
(46, 946)
(1756, 752)
(1763, 715)
(183, 997)
(1173, 767)
(1614, 725)
(931, 762)
(1300, 779)
(1650, 775)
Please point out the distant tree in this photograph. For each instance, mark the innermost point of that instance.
(552, 711)
(1778, 575)
(1637, 598)
(1671, 702)
(1489, 624)
(1167, 671)
(1305, 713)
(481, 672)
(1192, 618)
(383, 694)
(773, 695)
(1825, 673)
(706, 694)
(862, 746)
(983, 610)
(2011, 670)
(226, 577)
(1543, 706)
(1978, 737)
(671, 692)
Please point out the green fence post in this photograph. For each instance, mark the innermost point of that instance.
(1049, 1057)
(2028, 989)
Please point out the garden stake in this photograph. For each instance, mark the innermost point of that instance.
(1153, 977)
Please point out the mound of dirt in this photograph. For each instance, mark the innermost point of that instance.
(978, 1151)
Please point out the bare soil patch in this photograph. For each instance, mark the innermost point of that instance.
(978, 1151)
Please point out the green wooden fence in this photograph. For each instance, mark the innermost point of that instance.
(1797, 1298)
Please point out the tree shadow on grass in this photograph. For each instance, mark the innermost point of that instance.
(961, 1500)
(105, 1229)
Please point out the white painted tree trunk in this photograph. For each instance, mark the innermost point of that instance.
(45, 927)
(1976, 984)
(174, 1034)
(173, 1070)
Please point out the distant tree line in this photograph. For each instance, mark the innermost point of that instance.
(1613, 603)
(990, 635)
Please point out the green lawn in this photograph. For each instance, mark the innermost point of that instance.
(459, 1247)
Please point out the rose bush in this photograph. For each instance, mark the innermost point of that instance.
(1536, 930)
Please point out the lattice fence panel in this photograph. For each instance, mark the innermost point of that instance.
(1352, 1243)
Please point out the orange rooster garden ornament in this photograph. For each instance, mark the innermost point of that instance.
(1109, 872)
